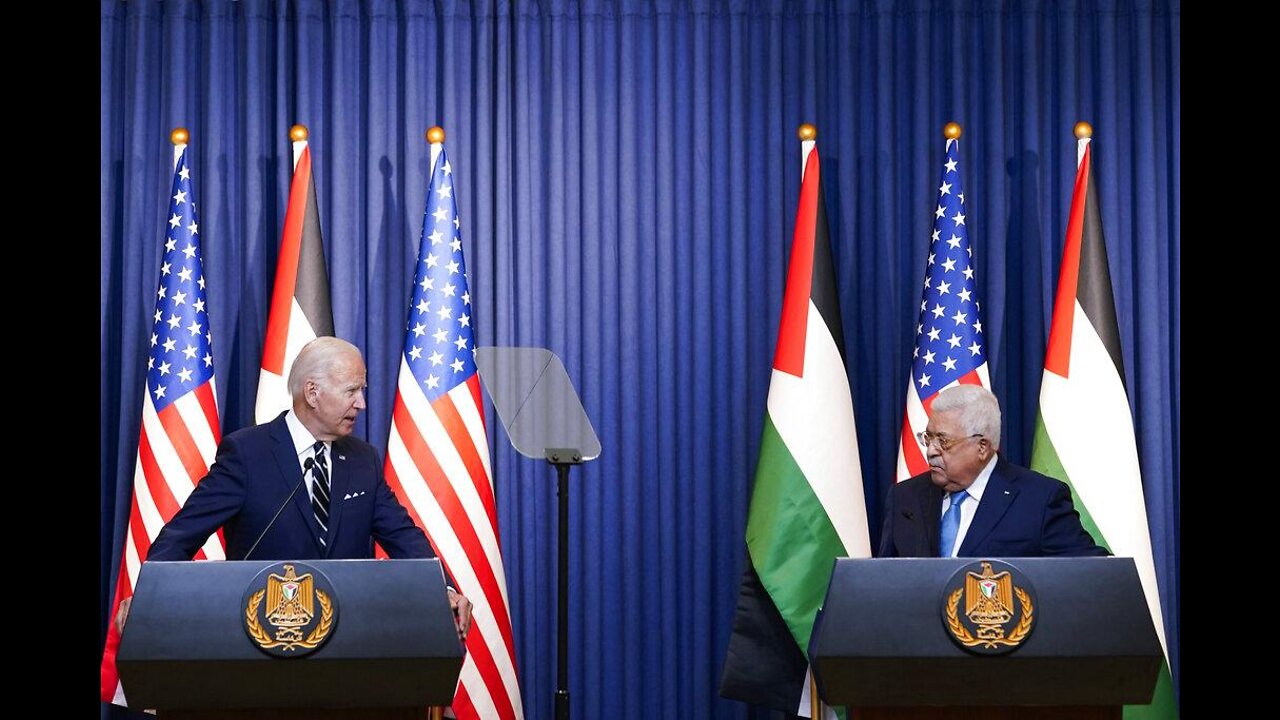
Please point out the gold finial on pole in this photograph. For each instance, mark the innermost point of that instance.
(435, 134)
(298, 133)
(807, 131)
(952, 131)
(179, 136)
(1083, 130)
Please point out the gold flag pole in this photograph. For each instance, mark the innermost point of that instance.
(1083, 132)
(815, 704)
(808, 134)
(435, 137)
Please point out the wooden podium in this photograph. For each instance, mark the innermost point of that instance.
(391, 651)
(881, 644)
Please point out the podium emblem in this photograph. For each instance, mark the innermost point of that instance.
(989, 607)
(288, 614)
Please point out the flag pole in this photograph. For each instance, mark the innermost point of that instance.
(1084, 132)
(179, 138)
(298, 136)
(435, 138)
(808, 134)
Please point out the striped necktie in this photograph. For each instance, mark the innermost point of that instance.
(320, 490)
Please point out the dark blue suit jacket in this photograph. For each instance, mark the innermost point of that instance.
(1022, 514)
(255, 470)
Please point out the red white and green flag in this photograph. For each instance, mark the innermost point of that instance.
(300, 306)
(807, 507)
(1084, 431)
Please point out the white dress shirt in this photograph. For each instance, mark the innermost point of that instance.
(969, 507)
(304, 444)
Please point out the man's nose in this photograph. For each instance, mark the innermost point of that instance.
(360, 400)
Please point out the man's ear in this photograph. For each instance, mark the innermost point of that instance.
(310, 393)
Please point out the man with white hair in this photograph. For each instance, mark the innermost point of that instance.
(973, 502)
(254, 490)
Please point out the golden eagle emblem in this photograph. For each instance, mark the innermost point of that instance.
(290, 610)
(290, 599)
(989, 608)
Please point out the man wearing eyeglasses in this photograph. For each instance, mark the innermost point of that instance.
(973, 502)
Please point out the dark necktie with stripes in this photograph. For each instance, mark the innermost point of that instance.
(320, 490)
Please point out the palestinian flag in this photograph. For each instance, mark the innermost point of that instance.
(1084, 432)
(300, 308)
(807, 507)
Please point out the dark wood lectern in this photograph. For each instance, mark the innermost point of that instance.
(880, 643)
(392, 652)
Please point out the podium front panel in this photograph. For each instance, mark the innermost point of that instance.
(392, 644)
(881, 638)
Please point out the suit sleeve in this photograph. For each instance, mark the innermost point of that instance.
(217, 499)
(1063, 534)
(393, 527)
(887, 548)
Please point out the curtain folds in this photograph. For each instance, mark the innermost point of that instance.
(627, 174)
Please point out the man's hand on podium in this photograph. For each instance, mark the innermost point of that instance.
(461, 612)
(122, 613)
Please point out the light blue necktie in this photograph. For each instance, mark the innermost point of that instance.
(951, 523)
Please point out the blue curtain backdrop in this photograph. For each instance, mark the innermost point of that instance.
(627, 175)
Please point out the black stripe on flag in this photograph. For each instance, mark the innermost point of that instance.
(822, 285)
(312, 286)
(1093, 283)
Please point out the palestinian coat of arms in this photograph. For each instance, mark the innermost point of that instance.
(299, 615)
(997, 614)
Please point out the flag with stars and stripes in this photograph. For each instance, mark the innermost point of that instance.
(180, 427)
(300, 306)
(950, 342)
(438, 453)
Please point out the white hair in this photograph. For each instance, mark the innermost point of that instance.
(316, 360)
(977, 407)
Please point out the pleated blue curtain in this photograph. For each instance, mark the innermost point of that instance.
(627, 176)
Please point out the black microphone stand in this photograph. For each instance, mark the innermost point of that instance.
(306, 468)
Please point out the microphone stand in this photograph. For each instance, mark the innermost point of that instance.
(306, 468)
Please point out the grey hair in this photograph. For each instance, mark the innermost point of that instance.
(316, 360)
(978, 409)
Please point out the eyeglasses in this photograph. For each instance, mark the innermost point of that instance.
(944, 442)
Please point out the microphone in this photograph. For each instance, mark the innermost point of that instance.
(306, 468)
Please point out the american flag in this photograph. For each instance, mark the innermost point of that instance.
(950, 343)
(438, 453)
(180, 428)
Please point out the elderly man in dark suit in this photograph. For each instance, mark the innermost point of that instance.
(973, 502)
(347, 504)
